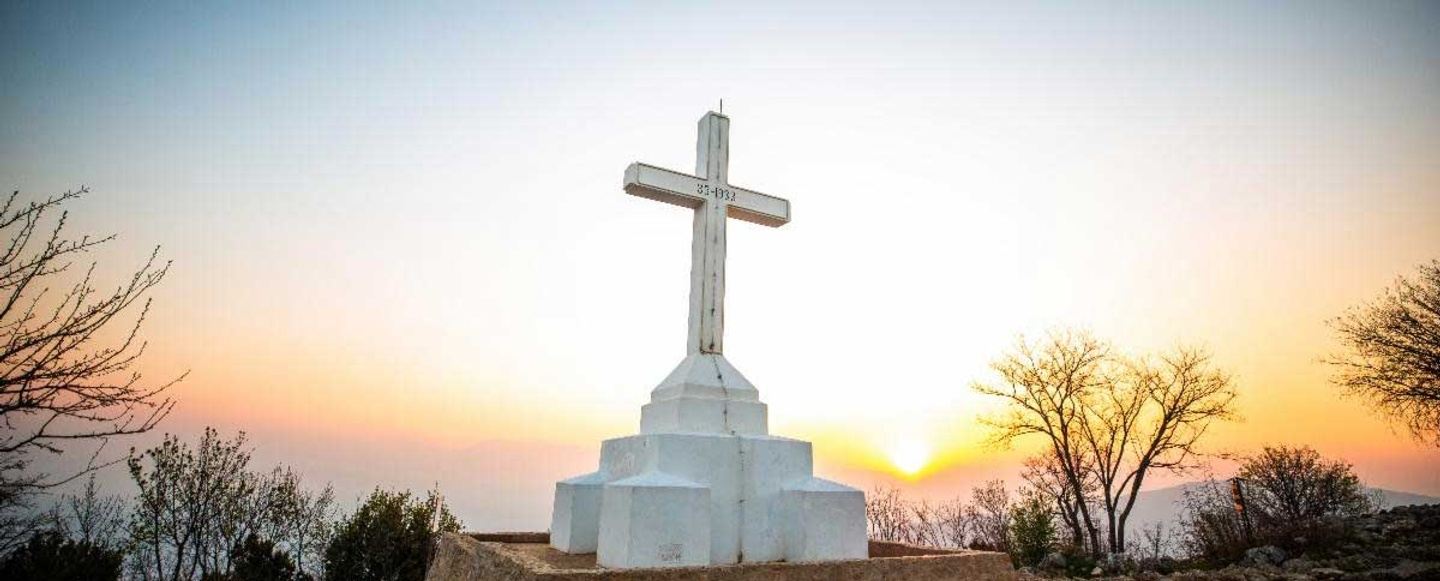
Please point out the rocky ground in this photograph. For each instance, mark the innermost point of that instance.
(1400, 543)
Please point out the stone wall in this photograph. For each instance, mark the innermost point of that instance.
(528, 557)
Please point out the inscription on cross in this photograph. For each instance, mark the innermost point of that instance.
(713, 200)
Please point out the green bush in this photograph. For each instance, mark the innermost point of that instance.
(1032, 531)
(391, 537)
(48, 556)
(256, 559)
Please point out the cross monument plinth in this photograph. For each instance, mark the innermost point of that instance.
(704, 483)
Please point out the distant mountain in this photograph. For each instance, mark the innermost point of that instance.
(1164, 505)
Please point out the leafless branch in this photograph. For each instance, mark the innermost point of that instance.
(64, 375)
(1393, 353)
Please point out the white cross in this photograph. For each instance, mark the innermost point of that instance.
(712, 197)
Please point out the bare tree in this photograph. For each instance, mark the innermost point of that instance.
(954, 526)
(945, 525)
(188, 501)
(90, 518)
(1045, 385)
(1044, 475)
(1155, 542)
(281, 510)
(989, 515)
(1394, 353)
(924, 524)
(63, 377)
(893, 518)
(1152, 417)
(313, 526)
(888, 515)
(196, 505)
(1108, 422)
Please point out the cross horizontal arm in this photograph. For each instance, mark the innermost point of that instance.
(672, 187)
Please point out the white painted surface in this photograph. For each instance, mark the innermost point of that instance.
(575, 520)
(824, 521)
(768, 464)
(703, 482)
(705, 375)
(763, 504)
(708, 415)
(648, 521)
(714, 200)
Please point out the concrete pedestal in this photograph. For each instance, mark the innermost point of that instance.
(647, 519)
(704, 484)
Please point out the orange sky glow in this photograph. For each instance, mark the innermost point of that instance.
(403, 257)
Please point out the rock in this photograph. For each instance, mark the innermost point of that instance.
(1166, 565)
(1408, 569)
(1054, 561)
(1266, 555)
(456, 557)
(1298, 565)
(1117, 564)
(1326, 573)
(1356, 562)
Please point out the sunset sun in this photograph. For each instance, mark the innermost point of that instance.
(645, 290)
(910, 457)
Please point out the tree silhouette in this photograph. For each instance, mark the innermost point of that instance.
(196, 505)
(1107, 421)
(63, 377)
(1393, 358)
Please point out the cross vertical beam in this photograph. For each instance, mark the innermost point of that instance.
(707, 243)
(709, 194)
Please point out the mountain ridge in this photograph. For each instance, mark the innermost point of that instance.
(1165, 505)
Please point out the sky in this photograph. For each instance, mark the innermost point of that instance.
(402, 255)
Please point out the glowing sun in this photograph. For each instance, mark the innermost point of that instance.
(910, 457)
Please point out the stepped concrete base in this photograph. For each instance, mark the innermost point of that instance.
(704, 483)
(685, 499)
(529, 557)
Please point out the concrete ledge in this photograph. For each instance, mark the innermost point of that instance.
(529, 557)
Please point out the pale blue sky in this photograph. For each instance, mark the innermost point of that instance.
(415, 208)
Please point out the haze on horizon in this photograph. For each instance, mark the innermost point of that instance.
(402, 255)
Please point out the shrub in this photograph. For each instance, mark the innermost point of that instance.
(1032, 530)
(48, 556)
(989, 516)
(1211, 531)
(1296, 484)
(1298, 499)
(391, 537)
(1078, 561)
(256, 559)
